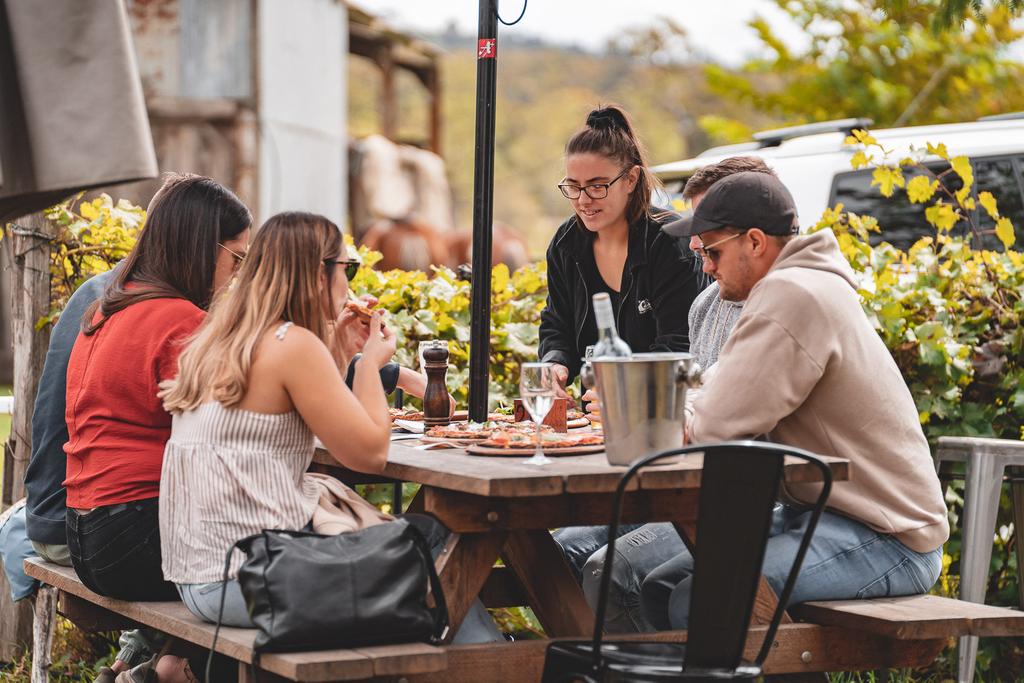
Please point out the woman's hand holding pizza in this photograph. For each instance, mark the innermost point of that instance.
(380, 345)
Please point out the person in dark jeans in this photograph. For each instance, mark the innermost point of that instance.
(196, 234)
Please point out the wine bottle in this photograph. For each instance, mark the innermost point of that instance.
(608, 341)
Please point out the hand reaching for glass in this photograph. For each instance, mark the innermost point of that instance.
(593, 406)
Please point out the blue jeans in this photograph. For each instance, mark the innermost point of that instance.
(637, 554)
(845, 560)
(578, 543)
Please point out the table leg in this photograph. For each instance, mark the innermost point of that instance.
(1018, 525)
(416, 504)
(463, 566)
(981, 505)
(764, 605)
(550, 586)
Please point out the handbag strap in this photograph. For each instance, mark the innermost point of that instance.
(220, 611)
(440, 610)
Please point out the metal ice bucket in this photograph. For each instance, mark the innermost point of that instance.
(642, 399)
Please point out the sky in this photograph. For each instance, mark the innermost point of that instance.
(717, 29)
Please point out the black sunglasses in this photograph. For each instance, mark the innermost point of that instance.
(351, 267)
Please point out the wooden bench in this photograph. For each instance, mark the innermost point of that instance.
(835, 636)
(65, 591)
(916, 617)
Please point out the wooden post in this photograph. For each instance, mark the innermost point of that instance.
(29, 240)
(28, 245)
(388, 97)
(42, 633)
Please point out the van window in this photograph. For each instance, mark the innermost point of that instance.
(1003, 178)
(903, 223)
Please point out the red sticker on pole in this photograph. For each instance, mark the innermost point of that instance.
(486, 48)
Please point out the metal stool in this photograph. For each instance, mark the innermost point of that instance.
(986, 461)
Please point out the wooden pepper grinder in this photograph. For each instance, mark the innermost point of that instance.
(436, 407)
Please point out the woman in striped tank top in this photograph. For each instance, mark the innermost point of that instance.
(261, 377)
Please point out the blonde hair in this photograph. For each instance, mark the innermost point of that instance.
(278, 280)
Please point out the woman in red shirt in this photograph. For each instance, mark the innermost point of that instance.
(196, 234)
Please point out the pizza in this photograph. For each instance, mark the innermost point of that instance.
(404, 414)
(574, 414)
(481, 430)
(364, 313)
(515, 439)
(461, 430)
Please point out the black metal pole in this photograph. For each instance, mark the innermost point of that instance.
(483, 206)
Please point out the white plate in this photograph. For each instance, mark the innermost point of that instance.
(413, 426)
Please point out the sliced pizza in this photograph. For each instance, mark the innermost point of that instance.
(515, 439)
(364, 313)
(404, 414)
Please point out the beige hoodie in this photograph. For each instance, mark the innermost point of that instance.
(804, 366)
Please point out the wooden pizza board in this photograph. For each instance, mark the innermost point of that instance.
(477, 449)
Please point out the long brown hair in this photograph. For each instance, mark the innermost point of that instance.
(609, 133)
(176, 253)
(278, 281)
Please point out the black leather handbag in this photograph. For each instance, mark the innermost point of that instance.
(306, 591)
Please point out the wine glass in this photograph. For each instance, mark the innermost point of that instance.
(537, 391)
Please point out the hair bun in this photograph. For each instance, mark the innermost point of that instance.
(607, 117)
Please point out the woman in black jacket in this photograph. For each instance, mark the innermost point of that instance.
(613, 243)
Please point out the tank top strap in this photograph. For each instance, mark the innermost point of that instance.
(282, 330)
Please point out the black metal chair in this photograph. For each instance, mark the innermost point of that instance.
(739, 484)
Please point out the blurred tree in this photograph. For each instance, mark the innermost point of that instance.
(876, 59)
(955, 11)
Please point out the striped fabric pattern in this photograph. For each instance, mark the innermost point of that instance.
(229, 473)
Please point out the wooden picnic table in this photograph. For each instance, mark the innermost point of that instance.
(500, 507)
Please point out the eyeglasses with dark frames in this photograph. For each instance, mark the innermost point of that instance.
(351, 266)
(594, 190)
(239, 258)
(710, 253)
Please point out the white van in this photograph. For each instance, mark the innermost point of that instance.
(814, 164)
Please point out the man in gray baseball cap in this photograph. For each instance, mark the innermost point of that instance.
(804, 367)
(752, 211)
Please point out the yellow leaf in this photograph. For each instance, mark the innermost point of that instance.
(1004, 231)
(989, 202)
(920, 189)
(938, 150)
(88, 211)
(942, 216)
(859, 159)
(962, 166)
(499, 278)
(963, 195)
(887, 178)
(863, 137)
